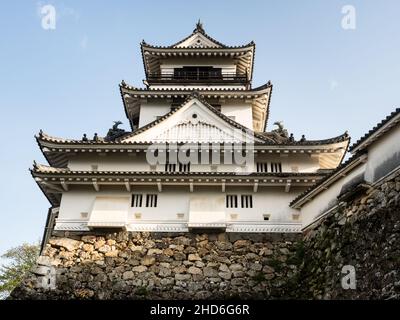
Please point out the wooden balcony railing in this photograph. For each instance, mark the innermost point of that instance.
(201, 76)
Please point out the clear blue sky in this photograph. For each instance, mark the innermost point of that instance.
(65, 81)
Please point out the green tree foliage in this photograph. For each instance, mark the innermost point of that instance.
(19, 261)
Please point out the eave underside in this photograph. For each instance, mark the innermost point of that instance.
(58, 153)
(55, 181)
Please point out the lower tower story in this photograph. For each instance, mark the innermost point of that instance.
(185, 208)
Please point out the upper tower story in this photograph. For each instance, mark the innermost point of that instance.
(221, 74)
(198, 61)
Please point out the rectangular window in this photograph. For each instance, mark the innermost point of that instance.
(170, 167)
(231, 201)
(262, 167)
(137, 200)
(151, 200)
(247, 201)
(197, 73)
(184, 167)
(276, 167)
(180, 167)
(84, 215)
(180, 215)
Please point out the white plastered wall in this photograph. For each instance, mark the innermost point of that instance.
(176, 200)
(240, 112)
(382, 157)
(327, 199)
(149, 111)
(385, 149)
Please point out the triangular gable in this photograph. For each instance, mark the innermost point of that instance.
(198, 40)
(193, 122)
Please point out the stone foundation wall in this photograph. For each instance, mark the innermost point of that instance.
(364, 234)
(158, 266)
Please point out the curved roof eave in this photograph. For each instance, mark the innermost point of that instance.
(357, 146)
(258, 89)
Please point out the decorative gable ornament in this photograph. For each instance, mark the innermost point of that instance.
(194, 122)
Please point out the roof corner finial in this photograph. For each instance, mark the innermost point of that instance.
(199, 27)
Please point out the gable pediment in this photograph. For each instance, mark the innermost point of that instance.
(201, 132)
(198, 40)
(194, 122)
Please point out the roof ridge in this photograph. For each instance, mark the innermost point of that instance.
(38, 167)
(331, 174)
(266, 85)
(45, 136)
(340, 137)
(379, 125)
(145, 44)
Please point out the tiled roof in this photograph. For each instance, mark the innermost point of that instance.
(193, 95)
(146, 45)
(193, 51)
(256, 93)
(266, 137)
(45, 137)
(62, 141)
(43, 169)
(374, 129)
(339, 138)
(331, 174)
(53, 197)
(200, 89)
(48, 169)
(262, 136)
(198, 30)
(352, 159)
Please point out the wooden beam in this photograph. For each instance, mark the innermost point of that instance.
(255, 187)
(96, 185)
(64, 184)
(191, 187)
(287, 187)
(223, 187)
(127, 185)
(159, 186)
